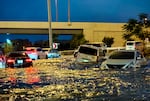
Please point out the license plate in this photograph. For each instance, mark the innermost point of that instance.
(20, 61)
(84, 60)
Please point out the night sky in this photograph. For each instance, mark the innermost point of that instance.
(81, 10)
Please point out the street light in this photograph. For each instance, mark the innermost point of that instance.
(49, 22)
(56, 5)
(69, 23)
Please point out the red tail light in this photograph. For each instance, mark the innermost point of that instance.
(28, 60)
(10, 60)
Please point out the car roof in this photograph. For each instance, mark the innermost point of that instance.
(91, 46)
(16, 52)
(135, 51)
(128, 50)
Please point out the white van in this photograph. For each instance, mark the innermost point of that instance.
(89, 54)
(134, 45)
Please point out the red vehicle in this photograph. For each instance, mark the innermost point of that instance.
(18, 59)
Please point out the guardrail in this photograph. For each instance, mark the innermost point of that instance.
(67, 52)
(70, 52)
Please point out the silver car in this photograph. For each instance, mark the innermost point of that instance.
(123, 59)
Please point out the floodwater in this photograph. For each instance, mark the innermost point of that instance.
(53, 80)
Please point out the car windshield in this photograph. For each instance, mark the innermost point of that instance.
(87, 50)
(129, 43)
(17, 55)
(122, 55)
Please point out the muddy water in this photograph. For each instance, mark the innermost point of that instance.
(54, 80)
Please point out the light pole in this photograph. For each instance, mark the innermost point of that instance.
(56, 5)
(49, 23)
(69, 23)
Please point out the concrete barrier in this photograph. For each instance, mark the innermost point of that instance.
(67, 52)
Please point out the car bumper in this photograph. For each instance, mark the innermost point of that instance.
(20, 65)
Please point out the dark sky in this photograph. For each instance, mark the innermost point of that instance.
(81, 10)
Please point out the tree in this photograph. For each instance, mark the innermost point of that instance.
(18, 44)
(108, 41)
(137, 28)
(77, 40)
(8, 48)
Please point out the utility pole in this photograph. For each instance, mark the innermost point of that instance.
(49, 23)
(69, 23)
(56, 6)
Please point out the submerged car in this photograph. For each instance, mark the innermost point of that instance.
(18, 59)
(53, 53)
(89, 54)
(123, 59)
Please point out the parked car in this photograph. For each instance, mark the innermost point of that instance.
(53, 53)
(35, 53)
(18, 59)
(123, 59)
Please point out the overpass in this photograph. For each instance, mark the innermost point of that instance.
(92, 31)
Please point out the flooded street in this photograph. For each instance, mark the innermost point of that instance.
(53, 80)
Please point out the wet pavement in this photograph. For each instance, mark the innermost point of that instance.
(54, 80)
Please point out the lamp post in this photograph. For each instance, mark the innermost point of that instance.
(49, 23)
(69, 23)
(56, 5)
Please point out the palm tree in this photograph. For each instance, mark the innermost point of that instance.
(136, 28)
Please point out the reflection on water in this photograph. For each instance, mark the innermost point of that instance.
(26, 75)
(52, 82)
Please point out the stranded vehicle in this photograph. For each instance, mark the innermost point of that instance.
(89, 55)
(124, 59)
(53, 53)
(18, 59)
(134, 45)
(101, 45)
